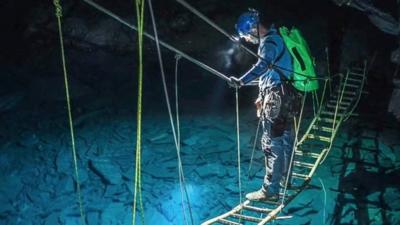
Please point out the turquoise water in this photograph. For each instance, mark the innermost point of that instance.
(37, 185)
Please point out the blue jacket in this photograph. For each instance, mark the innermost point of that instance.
(272, 50)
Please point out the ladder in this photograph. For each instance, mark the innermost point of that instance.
(309, 152)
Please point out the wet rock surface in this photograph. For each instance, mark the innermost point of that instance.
(354, 185)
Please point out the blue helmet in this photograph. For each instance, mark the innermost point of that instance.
(247, 21)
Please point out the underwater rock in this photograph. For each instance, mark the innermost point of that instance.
(10, 101)
(211, 170)
(162, 138)
(351, 167)
(70, 220)
(109, 171)
(11, 186)
(92, 218)
(52, 219)
(64, 161)
(114, 190)
(114, 214)
(168, 208)
(368, 143)
(61, 202)
(392, 198)
(89, 116)
(83, 175)
(191, 141)
(164, 168)
(387, 153)
(374, 215)
(153, 216)
(5, 207)
(65, 185)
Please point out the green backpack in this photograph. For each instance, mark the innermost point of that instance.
(303, 62)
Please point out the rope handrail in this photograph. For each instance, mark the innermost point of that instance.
(164, 44)
(214, 25)
(175, 131)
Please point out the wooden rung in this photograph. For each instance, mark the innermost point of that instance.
(301, 176)
(352, 85)
(323, 128)
(334, 98)
(347, 92)
(331, 113)
(303, 164)
(334, 106)
(257, 209)
(283, 217)
(228, 222)
(320, 138)
(308, 154)
(341, 103)
(357, 74)
(354, 80)
(271, 202)
(327, 120)
(248, 218)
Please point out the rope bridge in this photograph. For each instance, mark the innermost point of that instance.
(309, 151)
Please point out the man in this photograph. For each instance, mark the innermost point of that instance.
(273, 68)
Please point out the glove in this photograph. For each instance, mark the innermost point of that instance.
(235, 82)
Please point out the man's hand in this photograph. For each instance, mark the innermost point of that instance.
(235, 82)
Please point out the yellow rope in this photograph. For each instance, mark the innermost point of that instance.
(137, 182)
(58, 13)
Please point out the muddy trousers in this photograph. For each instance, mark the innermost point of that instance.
(277, 153)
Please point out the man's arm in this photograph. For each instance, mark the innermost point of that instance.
(268, 54)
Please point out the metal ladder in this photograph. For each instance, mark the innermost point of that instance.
(310, 151)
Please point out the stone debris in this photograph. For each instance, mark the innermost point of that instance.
(109, 171)
(43, 190)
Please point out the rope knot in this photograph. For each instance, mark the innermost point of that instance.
(58, 8)
(178, 57)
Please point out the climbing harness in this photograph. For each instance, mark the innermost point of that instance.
(174, 130)
(58, 13)
(138, 170)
